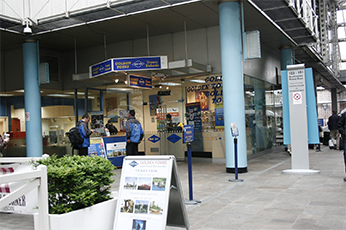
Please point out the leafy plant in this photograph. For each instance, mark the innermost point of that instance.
(77, 182)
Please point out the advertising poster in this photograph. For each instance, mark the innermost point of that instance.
(97, 147)
(96, 120)
(193, 111)
(219, 120)
(111, 106)
(143, 193)
(116, 149)
(202, 97)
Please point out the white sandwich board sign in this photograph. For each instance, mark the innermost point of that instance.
(150, 195)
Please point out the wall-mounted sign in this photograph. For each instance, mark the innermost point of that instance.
(140, 82)
(154, 138)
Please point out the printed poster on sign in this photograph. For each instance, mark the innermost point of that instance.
(97, 147)
(143, 194)
(297, 98)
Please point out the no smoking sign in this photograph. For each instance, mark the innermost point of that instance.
(297, 98)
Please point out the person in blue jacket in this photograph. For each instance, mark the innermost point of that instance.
(85, 132)
(134, 134)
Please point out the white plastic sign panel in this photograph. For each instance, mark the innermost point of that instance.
(144, 193)
(25, 204)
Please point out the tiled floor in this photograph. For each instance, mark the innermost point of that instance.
(267, 199)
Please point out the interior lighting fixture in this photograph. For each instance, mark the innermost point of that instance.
(57, 95)
(167, 87)
(160, 86)
(116, 80)
(197, 81)
(125, 82)
(170, 83)
(6, 95)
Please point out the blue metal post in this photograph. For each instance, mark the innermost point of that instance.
(190, 170)
(232, 81)
(32, 100)
(236, 157)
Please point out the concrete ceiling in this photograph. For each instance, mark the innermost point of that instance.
(84, 29)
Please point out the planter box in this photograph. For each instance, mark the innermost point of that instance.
(98, 216)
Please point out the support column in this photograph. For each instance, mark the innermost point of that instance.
(32, 99)
(233, 83)
(287, 57)
(334, 100)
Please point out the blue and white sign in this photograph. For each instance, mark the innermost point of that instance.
(128, 64)
(139, 63)
(154, 138)
(189, 134)
(101, 68)
(140, 82)
(173, 138)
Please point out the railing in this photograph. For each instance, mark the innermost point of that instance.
(36, 179)
(305, 10)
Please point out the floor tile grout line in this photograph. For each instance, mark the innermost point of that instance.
(206, 200)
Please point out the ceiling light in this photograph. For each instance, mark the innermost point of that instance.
(160, 86)
(170, 83)
(197, 81)
(167, 87)
(125, 82)
(57, 95)
(116, 80)
(6, 95)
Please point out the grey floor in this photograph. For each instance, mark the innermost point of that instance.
(267, 199)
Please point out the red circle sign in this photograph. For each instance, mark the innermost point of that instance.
(297, 96)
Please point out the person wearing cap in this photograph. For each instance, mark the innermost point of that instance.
(134, 134)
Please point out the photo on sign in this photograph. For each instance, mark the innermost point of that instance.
(130, 183)
(127, 206)
(144, 183)
(159, 184)
(141, 206)
(155, 208)
(139, 224)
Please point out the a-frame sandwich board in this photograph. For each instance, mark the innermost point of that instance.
(150, 194)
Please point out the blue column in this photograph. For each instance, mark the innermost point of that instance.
(233, 83)
(287, 57)
(32, 100)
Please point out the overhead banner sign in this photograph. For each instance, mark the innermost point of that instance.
(128, 64)
(140, 82)
(150, 195)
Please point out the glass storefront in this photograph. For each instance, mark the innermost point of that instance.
(162, 110)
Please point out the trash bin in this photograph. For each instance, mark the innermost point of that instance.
(326, 137)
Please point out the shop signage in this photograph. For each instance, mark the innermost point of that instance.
(140, 82)
(154, 138)
(189, 135)
(146, 199)
(320, 122)
(212, 88)
(139, 63)
(101, 68)
(128, 64)
(173, 138)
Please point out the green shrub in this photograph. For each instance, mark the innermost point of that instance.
(77, 182)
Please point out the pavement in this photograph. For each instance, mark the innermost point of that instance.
(266, 199)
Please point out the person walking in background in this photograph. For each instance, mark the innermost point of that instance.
(333, 127)
(85, 132)
(134, 134)
(342, 130)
